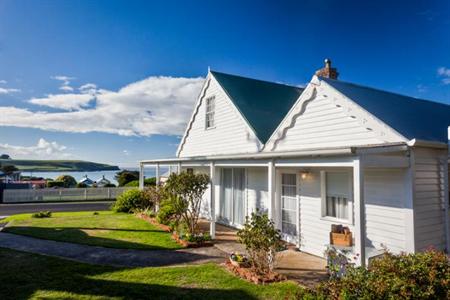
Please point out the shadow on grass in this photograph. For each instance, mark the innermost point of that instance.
(25, 274)
(162, 239)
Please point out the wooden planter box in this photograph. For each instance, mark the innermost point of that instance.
(341, 239)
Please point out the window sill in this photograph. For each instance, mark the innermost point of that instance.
(336, 220)
(210, 128)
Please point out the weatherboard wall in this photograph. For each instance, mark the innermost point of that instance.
(323, 118)
(385, 196)
(230, 135)
(429, 198)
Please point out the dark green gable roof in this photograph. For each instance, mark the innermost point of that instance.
(263, 104)
(413, 118)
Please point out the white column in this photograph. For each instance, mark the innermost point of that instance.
(410, 240)
(141, 176)
(271, 189)
(212, 199)
(360, 213)
(157, 174)
(446, 203)
(179, 168)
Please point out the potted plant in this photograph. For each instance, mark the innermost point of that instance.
(239, 260)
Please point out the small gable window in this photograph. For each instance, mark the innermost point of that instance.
(210, 109)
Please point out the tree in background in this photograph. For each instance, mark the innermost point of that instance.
(68, 180)
(9, 169)
(5, 156)
(125, 176)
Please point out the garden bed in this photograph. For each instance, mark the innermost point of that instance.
(188, 244)
(153, 222)
(249, 275)
(175, 236)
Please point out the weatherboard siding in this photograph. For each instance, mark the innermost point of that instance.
(231, 134)
(328, 120)
(429, 199)
(385, 196)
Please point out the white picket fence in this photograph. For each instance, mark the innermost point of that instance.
(62, 194)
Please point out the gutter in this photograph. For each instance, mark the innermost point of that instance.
(317, 152)
(428, 144)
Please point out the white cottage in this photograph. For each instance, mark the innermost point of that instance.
(331, 153)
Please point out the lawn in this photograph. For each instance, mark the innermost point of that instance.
(107, 229)
(26, 276)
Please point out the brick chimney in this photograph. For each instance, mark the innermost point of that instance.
(327, 71)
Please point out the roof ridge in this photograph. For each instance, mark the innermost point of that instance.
(383, 91)
(260, 80)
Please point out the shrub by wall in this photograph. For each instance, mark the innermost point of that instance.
(424, 275)
(132, 200)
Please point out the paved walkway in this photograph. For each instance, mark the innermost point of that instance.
(111, 256)
(304, 268)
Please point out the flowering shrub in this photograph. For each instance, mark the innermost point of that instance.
(261, 240)
(424, 275)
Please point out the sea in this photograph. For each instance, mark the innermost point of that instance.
(95, 175)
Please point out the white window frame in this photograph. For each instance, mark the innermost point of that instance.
(323, 193)
(210, 110)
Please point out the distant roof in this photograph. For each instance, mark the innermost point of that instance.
(263, 104)
(413, 118)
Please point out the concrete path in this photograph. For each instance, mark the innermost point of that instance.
(111, 256)
(19, 208)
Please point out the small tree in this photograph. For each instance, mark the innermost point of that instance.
(125, 176)
(261, 240)
(9, 169)
(68, 180)
(185, 191)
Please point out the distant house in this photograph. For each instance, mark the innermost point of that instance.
(15, 176)
(332, 153)
(103, 181)
(87, 181)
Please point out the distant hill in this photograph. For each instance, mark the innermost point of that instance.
(29, 165)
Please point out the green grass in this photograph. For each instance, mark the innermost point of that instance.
(32, 276)
(107, 229)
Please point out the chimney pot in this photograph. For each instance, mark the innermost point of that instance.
(327, 71)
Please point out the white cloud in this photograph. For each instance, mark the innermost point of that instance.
(126, 152)
(65, 79)
(445, 74)
(64, 101)
(65, 82)
(66, 88)
(42, 150)
(155, 105)
(88, 86)
(5, 91)
(3, 81)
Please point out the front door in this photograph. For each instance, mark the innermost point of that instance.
(289, 206)
(232, 208)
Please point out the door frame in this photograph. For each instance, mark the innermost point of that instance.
(279, 211)
(220, 219)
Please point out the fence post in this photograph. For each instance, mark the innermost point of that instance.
(109, 193)
(60, 194)
(85, 193)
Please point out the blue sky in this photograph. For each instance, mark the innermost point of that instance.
(88, 79)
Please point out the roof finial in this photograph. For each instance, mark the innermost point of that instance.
(209, 69)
